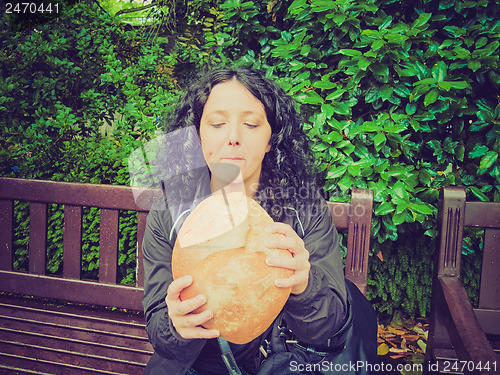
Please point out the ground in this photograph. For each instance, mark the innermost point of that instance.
(401, 346)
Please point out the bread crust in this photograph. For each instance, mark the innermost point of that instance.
(229, 268)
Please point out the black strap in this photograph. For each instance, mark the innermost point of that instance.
(228, 358)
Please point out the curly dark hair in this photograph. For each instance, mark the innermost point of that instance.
(287, 175)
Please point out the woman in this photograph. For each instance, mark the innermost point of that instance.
(246, 120)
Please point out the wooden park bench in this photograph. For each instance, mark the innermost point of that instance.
(65, 325)
(463, 339)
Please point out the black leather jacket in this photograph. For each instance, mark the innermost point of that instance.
(314, 316)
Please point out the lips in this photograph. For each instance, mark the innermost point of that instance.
(232, 158)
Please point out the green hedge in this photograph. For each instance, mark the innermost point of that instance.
(399, 97)
(78, 93)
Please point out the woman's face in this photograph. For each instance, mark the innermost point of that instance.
(234, 130)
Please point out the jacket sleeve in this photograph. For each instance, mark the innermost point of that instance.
(318, 313)
(157, 254)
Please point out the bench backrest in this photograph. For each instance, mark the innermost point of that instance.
(354, 216)
(455, 214)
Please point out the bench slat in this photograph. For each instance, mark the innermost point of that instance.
(482, 214)
(70, 359)
(141, 228)
(490, 277)
(78, 291)
(339, 212)
(358, 241)
(72, 241)
(38, 238)
(79, 194)
(108, 246)
(6, 223)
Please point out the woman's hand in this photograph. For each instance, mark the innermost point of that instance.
(186, 322)
(282, 236)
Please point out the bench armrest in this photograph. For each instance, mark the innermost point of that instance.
(463, 327)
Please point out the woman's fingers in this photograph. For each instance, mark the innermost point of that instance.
(282, 236)
(186, 321)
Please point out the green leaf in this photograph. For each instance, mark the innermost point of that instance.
(345, 183)
(478, 193)
(478, 151)
(487, 161)
(399, 218)
(372, 94)
(444, 85)
(432, 233)
(386, 92)
(399, 190)
(421, 208)
(421, 20)
(335, 136)
(401, 89)
(326, 85)
(439, 71)
(426, 81)
(296, 5)
(424, 177)
(376, 45)
(431, 97)
(379, 140)
(459, 85)
(364, 63)
(350, 52)
(411, 108)
(492, 47)
(354, 170)
(474, 65)
(327, 109)
(379, 69)
(336, 94)
(387, 22)
(313, 98)
(341, 108)
(384, 209)
(296, 65)
(336, 172)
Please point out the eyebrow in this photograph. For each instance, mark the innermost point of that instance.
(256, 116)
(223, 112)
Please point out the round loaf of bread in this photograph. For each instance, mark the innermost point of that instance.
(221, 246)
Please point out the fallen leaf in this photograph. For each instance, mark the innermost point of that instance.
(398, 332)
(383, 349)
(403, 344)
(397, 350)
(422, 345)
(410, 337)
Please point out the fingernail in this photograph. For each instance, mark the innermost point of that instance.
(269, 261)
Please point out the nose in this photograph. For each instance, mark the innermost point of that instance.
(234, 137)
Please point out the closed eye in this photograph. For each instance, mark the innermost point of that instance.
(218, 125)
(251, 126)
